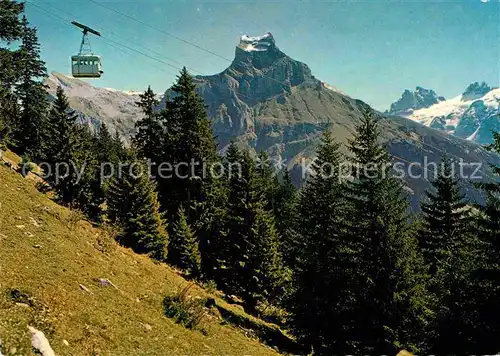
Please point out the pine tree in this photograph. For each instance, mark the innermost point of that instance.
(390, 298)
(133, 205)
(447, 222)
(321, 256)
(109, 152)
(119, 196)
(183, 250)
(268, 182)
(9, 114)
(148, 139)
(210, 227)
(72, 153)
(32, 132)
(91, 194)
(491, 219)
(189, 145)
(122, 153)
(62, 123)
(485, 296)
(10, 26)
(253, 266)
(286, 204)
(11, 29)
(62, 149)
(449, 249)
(190, 148)
(105, 145)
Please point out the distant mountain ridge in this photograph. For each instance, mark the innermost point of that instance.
(472, 116)
(418, 99)
(475, 91)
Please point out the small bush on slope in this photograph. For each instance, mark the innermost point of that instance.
(186, 310)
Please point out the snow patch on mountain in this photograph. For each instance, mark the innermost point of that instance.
(474, 135)
(453, 109)
(332, 88)
(128, 92)
(256, 43)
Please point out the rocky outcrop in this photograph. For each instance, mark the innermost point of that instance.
(40, 343)
(471, 119)
(438, 123)
(410, 101)
(489, 125)
(259, 74)
(475, 91)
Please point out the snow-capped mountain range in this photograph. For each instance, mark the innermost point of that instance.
(472, 115)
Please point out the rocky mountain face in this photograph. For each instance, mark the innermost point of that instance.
(475, 91)
(473, 115)
(266, 100)
(411, 101)
(93, 105)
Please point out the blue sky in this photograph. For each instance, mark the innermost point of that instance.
(372, 50)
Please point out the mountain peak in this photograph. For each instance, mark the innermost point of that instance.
(260, 70)
(256, 52)
(418, 99)
(257, 43)
(475, 91)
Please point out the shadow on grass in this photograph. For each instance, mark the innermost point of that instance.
(271, 336)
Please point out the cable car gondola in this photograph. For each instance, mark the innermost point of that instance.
(86, 64)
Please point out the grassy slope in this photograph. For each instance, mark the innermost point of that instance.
(50, 262)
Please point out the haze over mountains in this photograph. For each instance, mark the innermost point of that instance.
(472, 115)
(266, 100)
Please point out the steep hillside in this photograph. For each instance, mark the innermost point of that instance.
(89, 296)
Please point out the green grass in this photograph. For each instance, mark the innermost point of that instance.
(44, 258)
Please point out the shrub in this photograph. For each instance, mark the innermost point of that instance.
(73, 218)
(272, 314)
(26, 165)
(106, 238)
(186, 310)
(210, 287)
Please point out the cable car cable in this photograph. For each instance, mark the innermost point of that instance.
(51, 14)
(125, 39)
(176, 37)
(110, 41)
(160, 30)
(179, 39)
(133, 54)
